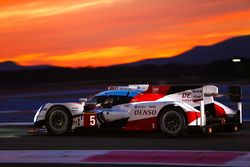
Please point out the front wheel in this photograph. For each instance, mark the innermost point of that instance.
(58, 121)
(172, 123)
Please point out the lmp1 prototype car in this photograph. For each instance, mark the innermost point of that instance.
(170, 109)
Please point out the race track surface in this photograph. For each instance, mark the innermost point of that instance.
(14, 139)
(17, 138)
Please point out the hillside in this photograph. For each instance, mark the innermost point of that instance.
(238, 47)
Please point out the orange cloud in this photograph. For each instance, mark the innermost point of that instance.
(107, 32)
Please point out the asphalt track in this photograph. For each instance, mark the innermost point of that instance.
(17, 138)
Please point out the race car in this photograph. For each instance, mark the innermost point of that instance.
(142, 107)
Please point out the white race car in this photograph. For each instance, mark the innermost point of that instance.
(170, 109)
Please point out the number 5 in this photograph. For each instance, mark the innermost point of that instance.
(92, 121)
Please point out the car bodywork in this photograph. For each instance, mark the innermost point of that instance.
(139, 107)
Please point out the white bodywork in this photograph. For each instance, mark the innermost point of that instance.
(192, 100)
(74, 108)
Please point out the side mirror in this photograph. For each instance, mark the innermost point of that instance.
(235, 93)
(83, 100)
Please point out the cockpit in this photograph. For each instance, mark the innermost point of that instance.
(107, 99)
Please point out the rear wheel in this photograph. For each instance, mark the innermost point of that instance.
(58, 121)
(172, 123)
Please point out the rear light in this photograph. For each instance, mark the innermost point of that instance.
(223, 121)
(210, 130)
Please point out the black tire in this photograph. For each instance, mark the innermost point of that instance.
(172, 123)
(58, 121)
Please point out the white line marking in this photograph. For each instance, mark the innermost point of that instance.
(16, 124)
(240, 161)
(9, 112)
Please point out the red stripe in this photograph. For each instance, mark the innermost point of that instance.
(165, 157)
(158, 89)
(152, 93)
(146, 97)
(220, 112)
(191, 116)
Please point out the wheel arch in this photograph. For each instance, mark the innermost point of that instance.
(59, 105)
(173, 107)
(50, 110)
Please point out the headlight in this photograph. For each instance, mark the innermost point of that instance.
(37, 113)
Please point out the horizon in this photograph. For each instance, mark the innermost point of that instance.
(109, 32)
(220, 42)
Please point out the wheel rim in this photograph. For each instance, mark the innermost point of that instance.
(58, 121)
(171, 122)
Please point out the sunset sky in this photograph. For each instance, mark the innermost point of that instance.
(79, 33)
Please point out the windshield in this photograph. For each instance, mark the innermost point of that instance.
(96, 100)
(117, 96)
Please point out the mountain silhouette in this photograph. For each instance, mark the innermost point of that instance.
(12, 66)
(237, 47)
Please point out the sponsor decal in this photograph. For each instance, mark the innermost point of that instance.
(75, 109)
(152, 107)
(197, 91)
(140, 107)
(155, 90)
(78, 121)
(197, 94)
(186, 95)
(145, 112)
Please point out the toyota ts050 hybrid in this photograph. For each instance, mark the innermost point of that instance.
(170, 109)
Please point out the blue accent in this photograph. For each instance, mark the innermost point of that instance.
(129, 93)
(96, 110)
(133, 93)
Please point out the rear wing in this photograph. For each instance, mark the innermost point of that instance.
(204, 91)
(198, 95)
(235, 95)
